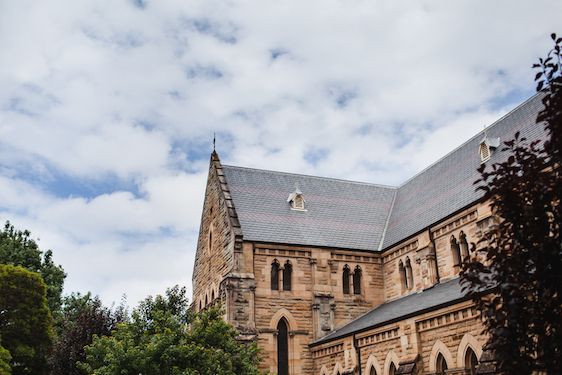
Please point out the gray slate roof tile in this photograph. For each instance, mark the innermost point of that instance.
(447, 186)
(413, 304)
(353, 215)
(341, 214)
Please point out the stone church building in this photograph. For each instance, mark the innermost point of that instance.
(341, 277)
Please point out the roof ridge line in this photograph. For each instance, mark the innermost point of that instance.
(311, 176)
(381, 243)
(508, 113)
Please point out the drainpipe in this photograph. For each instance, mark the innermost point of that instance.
(358, 351)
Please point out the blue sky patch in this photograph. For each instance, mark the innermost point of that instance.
(315, 155)
(205, 72)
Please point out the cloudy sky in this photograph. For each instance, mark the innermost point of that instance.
(108, 108)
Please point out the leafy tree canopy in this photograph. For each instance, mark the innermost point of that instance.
(82, 317)
(164, 337)
(19, 249)
(5, 359)
(521, 256)
(25, 320)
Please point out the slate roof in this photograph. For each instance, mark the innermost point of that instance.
(340, 214)
(362, 216)
(447, 186)
(438, 296)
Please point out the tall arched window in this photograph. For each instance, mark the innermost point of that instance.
(357, 280)
(403, 278)
(282, 347)
(210, 241)
(456, 251)
(463, 246)
(470, 361)
(409, 274)
(287, 275)
(392, 369)
(275, 275)
(441, 365)
(372, 371)
(206, 301)
(212, 296)
(345, 279)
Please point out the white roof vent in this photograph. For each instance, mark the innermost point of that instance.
(487, 145)
(296, 199)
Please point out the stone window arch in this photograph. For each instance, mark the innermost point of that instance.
(357, 280)
(372, 366)
(391, 363)
(210, 240)
(455, 251)
(440, 356)
(403, 276)
(275, 275)
(469, 350)
(409, 274)
(282, 347)
(441, 365)
(470, 361)
(338, 370)
(345, 279)
(206, 300)
(463, 244)
(287, 276)
(212, 295)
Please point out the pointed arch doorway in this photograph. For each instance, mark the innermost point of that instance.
(282, 347)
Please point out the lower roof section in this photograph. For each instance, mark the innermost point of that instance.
(437, 296)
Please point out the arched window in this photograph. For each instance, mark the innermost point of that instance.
(455, 249)
(372, 371)
(402, 273)
(200, 305)
(392, 369)
(345, 279)
(357, 280)
(275, 275)
(409, 274)
(470, 361)
(441, 365)
(287, 274)
(206, 301)
(212, 296)
(282, 347)
(210, 241)
(463, 246)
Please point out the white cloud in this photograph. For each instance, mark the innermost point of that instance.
(122, 101)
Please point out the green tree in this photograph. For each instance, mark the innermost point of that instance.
(25, 320)
(5, 358)
(522, 257)
(164, 337)
(19, 249)
(82, 317)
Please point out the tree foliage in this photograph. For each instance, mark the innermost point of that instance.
(5, 358)
(522, 255)
(25, 320)
(19, 249)
(82, 317)
(165, 337)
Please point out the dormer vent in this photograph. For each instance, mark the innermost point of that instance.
(487, 145)
(296, 200)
